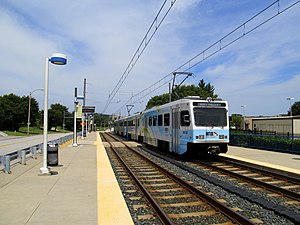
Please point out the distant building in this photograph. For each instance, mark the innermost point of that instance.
(282, 125)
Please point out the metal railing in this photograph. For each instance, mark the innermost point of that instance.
(266, 141)
(21, 154)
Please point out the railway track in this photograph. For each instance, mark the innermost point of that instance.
(256, 185)
(173, 200)
(253, 201)
(284, 186)
(275, 192)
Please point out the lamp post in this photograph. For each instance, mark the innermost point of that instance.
(57, 59)
(290, 99)
(244, 106)
(29, 104)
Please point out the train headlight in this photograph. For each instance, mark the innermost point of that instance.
(200, 137)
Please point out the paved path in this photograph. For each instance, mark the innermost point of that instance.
(14, 144)
(70, 197)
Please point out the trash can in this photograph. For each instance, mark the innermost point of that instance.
(52, 154)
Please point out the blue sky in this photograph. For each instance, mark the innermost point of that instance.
(100, 37)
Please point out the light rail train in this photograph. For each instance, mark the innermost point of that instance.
(188, 125)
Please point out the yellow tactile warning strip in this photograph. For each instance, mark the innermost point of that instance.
(112, 209)
(282, 168)
(66, 143)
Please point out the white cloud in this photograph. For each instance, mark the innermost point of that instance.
(100, 38)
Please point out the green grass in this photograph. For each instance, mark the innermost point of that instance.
(12, 133)
(32, 131)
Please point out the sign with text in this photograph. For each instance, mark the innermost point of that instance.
(88, 109)
(79, 111)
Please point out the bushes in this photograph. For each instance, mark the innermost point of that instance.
(276, 143)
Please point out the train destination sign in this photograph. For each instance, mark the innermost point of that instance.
(209, 104)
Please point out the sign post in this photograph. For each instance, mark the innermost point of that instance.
(88, 110)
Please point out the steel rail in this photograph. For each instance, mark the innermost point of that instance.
(263, 170)
(279, 190)
(162, 215)
(231, 214)
(279, 210)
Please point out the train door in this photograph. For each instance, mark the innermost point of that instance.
(145, 130)
(175, 130)
(136, 128)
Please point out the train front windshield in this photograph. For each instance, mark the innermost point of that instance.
(215, 117)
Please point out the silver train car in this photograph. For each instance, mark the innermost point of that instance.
(188, 125)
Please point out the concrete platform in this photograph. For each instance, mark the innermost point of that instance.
(69, 197)
(83, 191)
(280, 161)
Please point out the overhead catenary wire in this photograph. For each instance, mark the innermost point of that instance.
(211, 50)
(147, 38)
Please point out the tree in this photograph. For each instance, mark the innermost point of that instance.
(203, 90)
(101, 119)
(157, 100)
(295, 109)
(13, 112)
(69, 120)
(206, 90)
(237, 121)
(56, 115)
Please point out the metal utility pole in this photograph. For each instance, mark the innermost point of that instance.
(75, 120)
(129, 107)
(84, 115)
(290, 99)
(244, 116)
(84, 91)
(170, 93)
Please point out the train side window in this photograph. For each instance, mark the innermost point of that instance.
(167, 119)
(185, 118)
(138, 122)
(150, 121)
(160, 120)
(154, 120)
